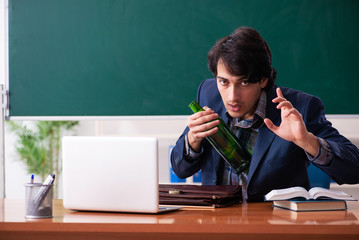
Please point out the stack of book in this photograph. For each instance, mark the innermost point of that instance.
(316, 199)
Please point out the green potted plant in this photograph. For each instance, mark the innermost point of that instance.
(38, 146)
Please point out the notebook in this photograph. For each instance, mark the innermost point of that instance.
(117, 174)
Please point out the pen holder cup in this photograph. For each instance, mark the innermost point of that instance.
(38, 200)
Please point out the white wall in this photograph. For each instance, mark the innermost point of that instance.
(166, 130)
(347, 125)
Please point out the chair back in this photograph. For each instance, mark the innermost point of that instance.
(317, 177)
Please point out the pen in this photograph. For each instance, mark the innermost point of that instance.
(41, 195)
(29, 203)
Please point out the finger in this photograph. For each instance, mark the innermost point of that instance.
(292, 111)
(207, 120)
(270, 125)
(279, 92)
(203, 127)
(201, 135)
(285, 104)
(278, 99)
(201, 113)
(197, 135)
(208, 112)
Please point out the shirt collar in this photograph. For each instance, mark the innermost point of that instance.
(258, 117)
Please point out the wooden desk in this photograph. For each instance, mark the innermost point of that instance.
(247, 221)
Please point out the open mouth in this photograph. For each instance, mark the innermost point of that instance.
(234, 108)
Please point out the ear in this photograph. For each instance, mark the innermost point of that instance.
(264, 82)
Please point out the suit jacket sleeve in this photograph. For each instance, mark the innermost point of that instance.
(181, 165)
(344, 167)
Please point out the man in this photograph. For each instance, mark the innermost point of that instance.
(284, 128)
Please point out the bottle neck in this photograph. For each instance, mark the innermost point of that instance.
(195, 106)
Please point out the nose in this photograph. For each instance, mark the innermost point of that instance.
(234, 93)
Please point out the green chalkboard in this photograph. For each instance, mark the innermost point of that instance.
(147, 57)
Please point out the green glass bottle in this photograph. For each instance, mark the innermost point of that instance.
(227, 144)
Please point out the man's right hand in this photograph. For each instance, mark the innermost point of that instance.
(201, 125)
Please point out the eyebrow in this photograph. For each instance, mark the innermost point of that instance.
(238, 79)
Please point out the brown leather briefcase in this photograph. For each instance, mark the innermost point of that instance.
(200, 195)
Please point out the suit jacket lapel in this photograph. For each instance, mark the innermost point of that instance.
(263, 141)
(265, 136)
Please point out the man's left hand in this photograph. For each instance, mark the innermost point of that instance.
(292, 127)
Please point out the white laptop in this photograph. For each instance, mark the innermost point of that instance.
(118, 174)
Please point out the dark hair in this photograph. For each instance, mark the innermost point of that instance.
(244, 52)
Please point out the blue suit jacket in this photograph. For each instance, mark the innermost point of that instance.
(276, 163)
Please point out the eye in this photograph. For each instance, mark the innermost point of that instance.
(223, 82)
(244, 83)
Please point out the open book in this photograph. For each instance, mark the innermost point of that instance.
(300, 192)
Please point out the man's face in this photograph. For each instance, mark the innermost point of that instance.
(239, 96)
